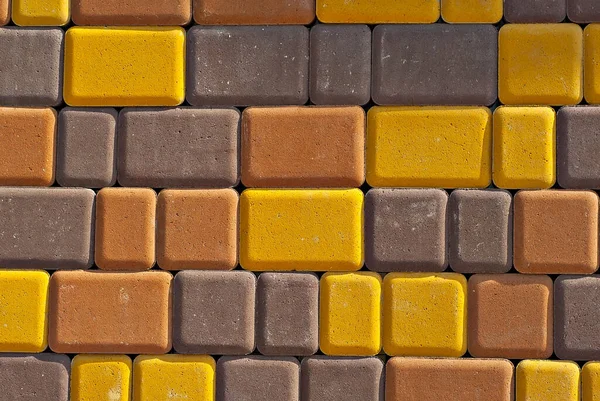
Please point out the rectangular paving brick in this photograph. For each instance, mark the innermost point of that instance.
(31, 66)
(28, 142)
(510, 316)
(258, 378)
(4, 12)
(472, 11)
(590, 381)
(101, 377)
(131, 12)
(42, 377)
(106, 312)
(435, 64)
(532, 11)
(254, 12)
(583, 11)
(340, 64)
(303, 147)
(548, 380)
(213, 312)
(40, 12)
(591, 77)
(378, 11)
(183, 147)
(85, 154)
(448, 379)
(46, 228)
(342, 379)
(247, 65)
(125, 228)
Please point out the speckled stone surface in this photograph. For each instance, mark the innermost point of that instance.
(262, 378)
(213, 312)
(254, 12)
(39, 377)
(4, 12)
(435, 64)
(247, 65)
(287, 314)
(480, 231)
(582, 11)
(340, 64)
(49, 228)
(131, 12)
(528, 11)
(405, 230)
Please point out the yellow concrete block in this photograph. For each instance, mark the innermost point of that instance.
(592, 63)
(23, 310)
(540, 64)
(101, 378)
(445, 147)
(472, 11)
(40, 12)
(121, 66)
(524, 147)
(425, 314)
(540, 380)
(350, 314)
(317, 230)
(590, 381)
(378, 11)
(174, 377)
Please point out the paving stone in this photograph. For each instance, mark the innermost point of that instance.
(340, 64)
(258, 378)
(287, 314)
(42, 377)
(590, 381)
(183, 147)
(469, 379)
(591, 88)
(547, 380)
(528, 11)
(556, 232)
(436, 325)
(131, 12)
(27, 139)
(472, 11)
(510, 316)
(197, 229)
(113, 66)
(350, 314)
(85, 154)
(583, 11)
(125, 228)
(4, 12)
(101, 377)
(247, 65)
(342, 379)
(40, 12)
(312, 229)
(435, 64)
(480, 231)
(46, 228)
(540, 64)
(106, 312)
(324, 147)
(378, 11)
(254, 12)
(413, 147)
(578, 143)
(31, 67)
(405, 230)
(214, 312)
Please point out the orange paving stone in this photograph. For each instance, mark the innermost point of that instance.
(254, 12)
(131, 12)
(4, 12)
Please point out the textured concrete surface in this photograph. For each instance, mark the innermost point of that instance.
(583, 11)
(35, 377)
(254, 12)
(131, 12)
(530, 11)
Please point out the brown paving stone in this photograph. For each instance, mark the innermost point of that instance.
(556, 232)
(254, 12)
(510, 316)
(131, 12)
(197, 229)
(41, 377)
(4, 12)
(583, 11)
(303, 147)
(125, 225)
(532, 11)
(106, 312)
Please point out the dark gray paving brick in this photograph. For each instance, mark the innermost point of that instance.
(583, 11)
(40, 377)
(528, 11)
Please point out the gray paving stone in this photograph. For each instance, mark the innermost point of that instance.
(583, 11)
(528, 11)
(40, 377)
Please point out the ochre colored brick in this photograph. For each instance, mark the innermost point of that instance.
(105, 312)
(547, 381)
(444, 147)
(27, 140)
(303, 147)
(125, 225)
(590, 381)
(4, 12)
(592, 63)
(40, 12)
(254, 12)
(131, 12)
(378, 11)
(472, 11)
(101, 378)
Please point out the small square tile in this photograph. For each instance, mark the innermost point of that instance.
(480, 231)
(583, 11)
(433, 320)
(101, 377)
(254, 12)
(535, 11)
(510, 316)
(540, 64)
(43, 377)
(547, 380)
(214, 312)
(85, 155)
(469, 52)
(590, 381)
(40, 12)
(556, 232)
(258, 378)
(131, 12)
(591, 63)
(287, 314)
(378, 11)
(405, 230)
(342, 379)
(340, 64)
(472, 11)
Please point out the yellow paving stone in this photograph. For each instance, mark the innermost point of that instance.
(472, 11)
(40, 12)
(101, 378)
(590, 381)
(378, 11)
(543, 380)
(592, 63)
